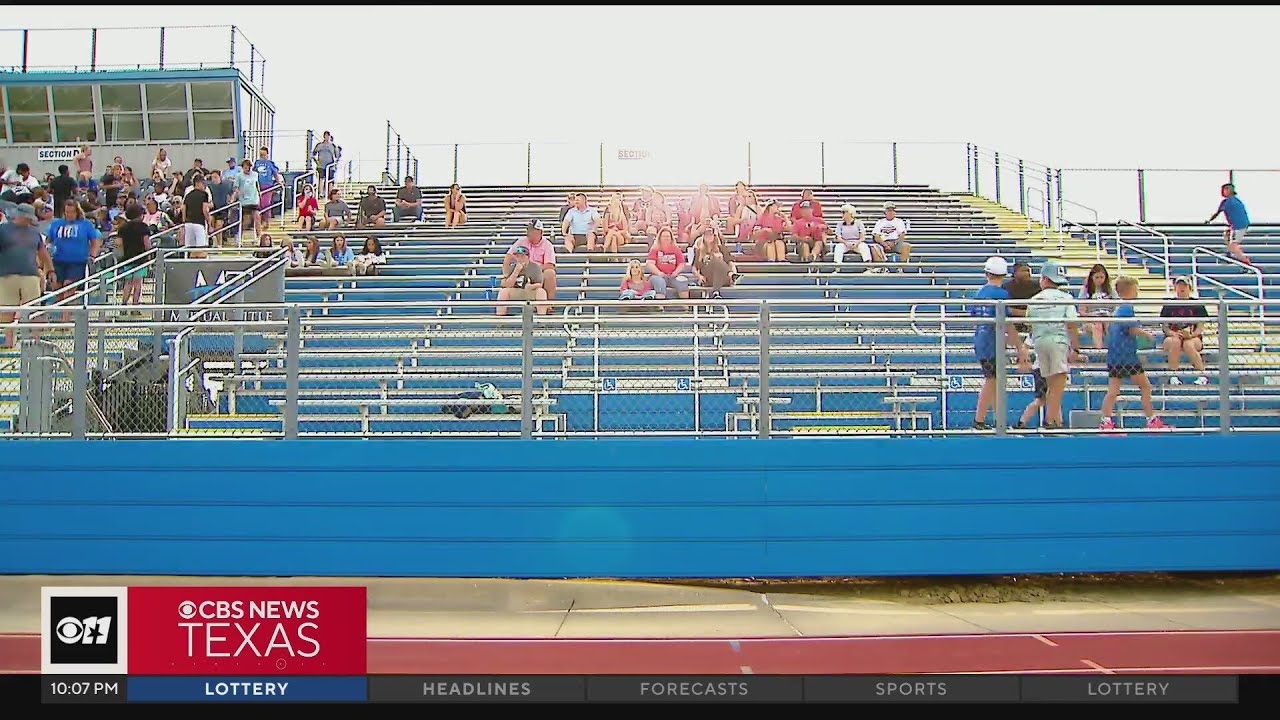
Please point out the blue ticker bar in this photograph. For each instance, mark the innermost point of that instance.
(311, 688)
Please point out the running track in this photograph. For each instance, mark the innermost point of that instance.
(1189, 651)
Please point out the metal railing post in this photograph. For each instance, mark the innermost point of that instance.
(968, 168)
(1048, 201)
(175, 383)
(895, 163)
(416, 176)
(1231, 177)
(311, 139)
(996, 156)
(80, 374)
(1142, 195)
(1224, 368)
(977, 174)
(822, 153)
(1022, 189)
(237, 341)
(93, 51)
(528, 164)
(386, 172)
(526, 371)
(1000, 403)
(162, 48)
(157, 337)
(398, 145)
(765, 405)
(601, 164)
(26, 44)
(232, 57)
(293, 352)
(253, 58)
(1057, 182)
(455, 162)
(748, 163)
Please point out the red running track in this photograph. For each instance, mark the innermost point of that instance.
(1185, 651)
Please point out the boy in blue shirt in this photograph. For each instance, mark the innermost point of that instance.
(1122, 359)
(268, 176)
(1237, 222)
(984, 337)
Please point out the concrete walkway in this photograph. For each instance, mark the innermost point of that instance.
(492, 608)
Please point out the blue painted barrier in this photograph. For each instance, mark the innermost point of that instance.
(641, 507)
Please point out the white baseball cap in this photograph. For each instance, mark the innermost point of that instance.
(996, 266)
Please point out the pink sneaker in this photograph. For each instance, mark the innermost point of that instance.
(1107, 425)
(1156, 423)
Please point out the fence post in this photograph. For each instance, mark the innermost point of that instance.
(93, 50)
(602, 165)
(26, 42)
(1022, 188)
(748, 163)
(822, 151)
(1224, 369)
(1142, 195)
(80, 374)
(1057, 181)
(765, 406)
(455, 162)
(977, 174)
(157, 337)
(293, 342)
(526, 371)
(1000, 403)
(968, 168)
(398, 144)
(895, 163)
(386, 171)
(311, 139)
(1231, 177)
(253, 57)
(416, 177)
(996, 161)
(161, 47)
(232, 57)
(175, 384)
(237, 342)
(1048, 201)
(528, 164)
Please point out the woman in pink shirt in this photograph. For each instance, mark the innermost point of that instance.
(767, 234)
(635, 286)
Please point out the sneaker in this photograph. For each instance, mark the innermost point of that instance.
(716, 296)
(1174, 380)
(1107, 425)
(1020, 425)
(1155, 423)
(1202, 380)
(977, 425)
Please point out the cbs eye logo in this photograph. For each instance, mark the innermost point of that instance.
(85, 630)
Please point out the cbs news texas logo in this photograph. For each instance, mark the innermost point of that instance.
(84, 630)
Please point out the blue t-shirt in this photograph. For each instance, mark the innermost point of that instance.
(1237, 216)
(266, 172)
(71, 240)
(580, 220)
(984, 336)
(1122, 346)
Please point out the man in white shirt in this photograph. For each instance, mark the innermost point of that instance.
(890, 232)
(20, 183)
(1056, 342)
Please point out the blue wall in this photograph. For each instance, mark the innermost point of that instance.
(640, 508)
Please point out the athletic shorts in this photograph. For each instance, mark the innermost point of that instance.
(523, 294)
(68, 272)
(1041, 385)
(1236, 235)
(1052, 358)
(195, 236)
(1125, 371)
(988, 367)
(580, 240)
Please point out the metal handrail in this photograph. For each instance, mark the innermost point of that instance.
(1121, 244)
(1097, 224)
(1196, 276)
(1043, 205)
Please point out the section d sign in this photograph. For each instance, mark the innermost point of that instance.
(187, 281)
(64, 153)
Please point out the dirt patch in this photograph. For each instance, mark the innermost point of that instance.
(1010, 588)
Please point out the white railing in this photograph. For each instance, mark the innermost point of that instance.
(1096, 231)
(1121, 246)
(1042, 205)
(1197, 276)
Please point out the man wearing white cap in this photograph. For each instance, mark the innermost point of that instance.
(890, 232)
(1057, 341)
(984, 336)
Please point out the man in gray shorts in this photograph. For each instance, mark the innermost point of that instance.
(1056, 341)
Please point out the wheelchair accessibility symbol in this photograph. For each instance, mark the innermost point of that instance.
(683, 383)
(955, 382)
(610, 384)
(1027, 382)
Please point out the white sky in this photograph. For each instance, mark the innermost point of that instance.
(1066, 86)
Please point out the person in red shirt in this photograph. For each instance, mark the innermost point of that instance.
(767, 234)
(635, 286)
(307, 208)
(667, 267)
(806, 196)
(810, 234)
(703, 211)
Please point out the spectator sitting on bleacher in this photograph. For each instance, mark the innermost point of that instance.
(118, 209)
(1056, 343)
(1184, 337)
(408, 202)
(313, 254)
(455, 207)
(712, 263)
(155, 220)
(196, 169)
(890, 232)
(667, 266)
(635, 286)
(568, 205)
(19, 184)
(130, 182)
(340, 255)
(161, 164)
(370, 257)
(540, 250)
(767, 233)
(743, 212)
(265, 245)
(617, 226)
(580, 225)
(297, 256)
(806, 196)
(372, 209)
(336, 211)
(704, 210)
(810, 233)
(851, 234)
(640, 210)
(1097, 287)
(522, 282)
(659, 215)
(1021, 287)
(307, 208)
(109, 184)
(44, 216)
(84, 165)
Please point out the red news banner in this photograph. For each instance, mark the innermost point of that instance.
(247, 630)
